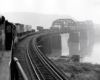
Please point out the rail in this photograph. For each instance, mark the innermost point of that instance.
(20, 69)
(46, 71)
(52, 65)
(15, 68)
(42, 67)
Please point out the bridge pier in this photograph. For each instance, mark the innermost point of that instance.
(83, 44)
(56, 45)
(44, 44)
(56, 41)
(91, 36)
(73, 43)
(91, 40)
(50, 44)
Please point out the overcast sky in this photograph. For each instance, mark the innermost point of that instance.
(79, 9)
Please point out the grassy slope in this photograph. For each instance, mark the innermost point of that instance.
(79, 71)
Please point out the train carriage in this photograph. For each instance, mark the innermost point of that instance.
(39, 28)
(20, 29)
(27, 28)
(9, 34)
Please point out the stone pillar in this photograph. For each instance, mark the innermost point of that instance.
(83, 44)
(91, 40)
(46, 44)
(56, 41)
(91, 36)
(55, 45)
(73, 43)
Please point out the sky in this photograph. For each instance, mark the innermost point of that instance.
(79, 9)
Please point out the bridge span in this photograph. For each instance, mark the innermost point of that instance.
(32, 57)
(80, 39)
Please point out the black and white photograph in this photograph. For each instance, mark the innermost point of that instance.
(49, 39)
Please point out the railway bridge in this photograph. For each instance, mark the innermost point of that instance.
(80, 41)
(28, 60)
(32, 57)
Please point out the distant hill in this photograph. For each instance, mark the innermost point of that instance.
(34, 19)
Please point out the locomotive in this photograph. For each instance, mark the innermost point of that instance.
(10, 33)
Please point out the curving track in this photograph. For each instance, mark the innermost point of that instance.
(42, 67)
(20, 53)
(36, 65)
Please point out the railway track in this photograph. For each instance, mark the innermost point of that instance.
(42, 68)
(20, 53)
(34, 63)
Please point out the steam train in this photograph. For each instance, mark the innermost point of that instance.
(12, 32)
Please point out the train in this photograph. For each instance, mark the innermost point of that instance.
(13, 32)
(10, 33)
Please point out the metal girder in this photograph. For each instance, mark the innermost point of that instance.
(71, 25)
(64, 23)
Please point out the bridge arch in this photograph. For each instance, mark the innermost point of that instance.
(67, 24)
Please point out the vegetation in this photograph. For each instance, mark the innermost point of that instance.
(79, 71)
